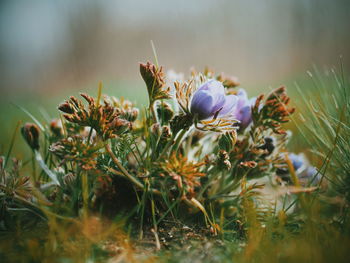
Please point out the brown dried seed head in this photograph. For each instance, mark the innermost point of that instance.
(30, 133)
(153, 77)
(155, 129)
(88, 98)
(258, 100)
(74, 100)
(66, 107)
(56, 127)
(228, 81)
(166, 132)
(249, 164)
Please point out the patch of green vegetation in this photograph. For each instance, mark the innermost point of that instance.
(105, 181)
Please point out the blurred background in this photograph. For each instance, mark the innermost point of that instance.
(54, 48)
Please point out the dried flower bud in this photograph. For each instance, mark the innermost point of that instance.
(268, 146)
(180, 122)
(76, 148)
(224, 160)
(228, 81)
(154, 79)
(88, 98)
(249, 164)
(273, 112)
(155, 129)
(66, 107)
(164, 112)
(125, 108)
(163, 133)
(56, 127)
(133, 114)
(276, 93)
(166, 132)
(119, 125)
(30, 133)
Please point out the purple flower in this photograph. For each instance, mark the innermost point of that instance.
(297, 160)
(210, 100)
(305, 173)
(310, 175)
(243, 109)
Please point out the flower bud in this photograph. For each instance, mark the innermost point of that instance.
(268, 146)
(166, 133)
(120, 126)
(164, 112)
(228, 81)
(180, 122)
(248, 164)
(56, 128)
(154, 79)
(66, 108)
(224, 160)
(133, 114)
(30, 133)
(155, 129)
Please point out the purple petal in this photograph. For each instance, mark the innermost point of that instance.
(202, 104)
(242, 98)
(297, 160)
(310, 175)
(245, 116)
(213, 86)
(208, 99)
(229, 105)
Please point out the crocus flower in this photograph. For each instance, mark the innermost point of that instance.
(303, 170)
(243, 109)
(297, 160)
(309, 175)
(209, 100)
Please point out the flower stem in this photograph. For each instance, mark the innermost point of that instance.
(178, 140)
(131, 178)
(153, 112)
(172, 142)
(122, 169)
(46, 169)
(167, 146)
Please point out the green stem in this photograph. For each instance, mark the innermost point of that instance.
(167, 146)
(34, 167)
(209, 182)
(153, 112)
(131, 178)
(172, 142)
(89, 136)
(122, 169)
(178, 140)
(46, 169)
(12, 143)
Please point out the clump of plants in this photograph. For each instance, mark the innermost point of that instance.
(201, 156)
